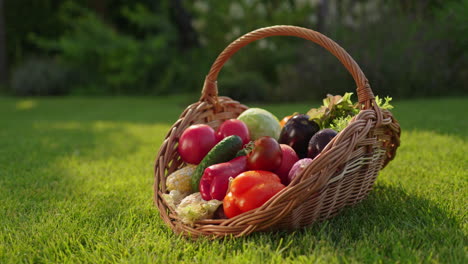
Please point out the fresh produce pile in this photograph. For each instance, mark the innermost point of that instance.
(247, 160)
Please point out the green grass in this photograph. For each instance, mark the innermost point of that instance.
(76, 186)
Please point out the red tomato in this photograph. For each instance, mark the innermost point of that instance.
(266, 155)
(289, 158)
(250, 190)
(233, 127)
(195, 142)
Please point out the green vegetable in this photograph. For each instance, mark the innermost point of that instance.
(384, 105)
(260, 123)
(222, 152)
(340, 123)
(246, 150)
(337, 111)
(333, 107)
(193, 208)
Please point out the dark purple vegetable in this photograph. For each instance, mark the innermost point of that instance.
(319, 141)
(297, 133)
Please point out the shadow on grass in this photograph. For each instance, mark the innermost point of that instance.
(63, 181)
(389, 225)
(52, 161)
(60, 154)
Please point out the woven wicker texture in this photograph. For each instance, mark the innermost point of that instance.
(342, 175)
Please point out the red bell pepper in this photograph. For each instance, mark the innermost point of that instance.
(215, 180)
(250, 190)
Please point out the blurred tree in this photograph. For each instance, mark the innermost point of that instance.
(419, 8)
(257, 65)
(166, 46)
(188, 37)
(101, 7)
(322, 15)
(3, 54)
(24, 17)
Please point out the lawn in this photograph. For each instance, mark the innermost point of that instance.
(76, 186)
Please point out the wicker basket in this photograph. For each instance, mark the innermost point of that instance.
(343, 174)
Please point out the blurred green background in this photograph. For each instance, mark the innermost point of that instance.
(406, 48)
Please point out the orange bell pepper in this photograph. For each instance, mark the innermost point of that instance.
(250, 190)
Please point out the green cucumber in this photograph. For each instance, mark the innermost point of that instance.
(224, 151)
(246, 150)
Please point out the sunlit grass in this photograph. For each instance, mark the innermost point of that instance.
(26, 104)
(76, 186)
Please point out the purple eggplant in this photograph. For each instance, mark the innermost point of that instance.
(297, 132)
(319, 141)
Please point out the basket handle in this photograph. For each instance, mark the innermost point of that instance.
(364, 92)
